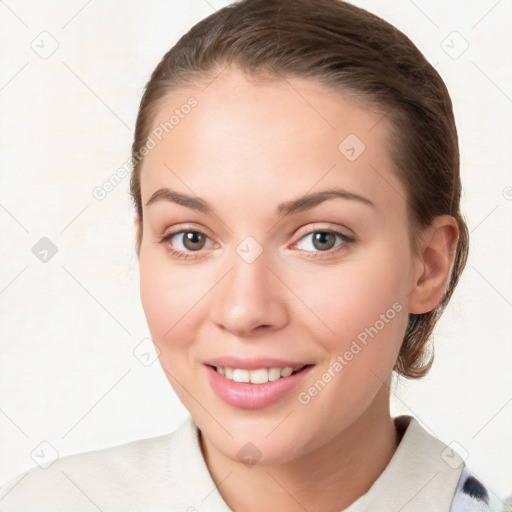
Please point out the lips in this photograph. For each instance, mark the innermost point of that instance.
(254, 383)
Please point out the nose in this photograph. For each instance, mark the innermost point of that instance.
(250, 299)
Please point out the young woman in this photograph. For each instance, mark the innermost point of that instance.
(296, 188)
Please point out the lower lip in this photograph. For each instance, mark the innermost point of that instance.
(253, 396)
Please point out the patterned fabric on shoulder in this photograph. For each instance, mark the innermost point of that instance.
(472, 495)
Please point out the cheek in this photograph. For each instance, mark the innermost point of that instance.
(363, 302)
(352, 297)
(176, 299)
(362, 308)
(167, 293)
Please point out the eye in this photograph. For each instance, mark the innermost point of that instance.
(323, 241)
(183, 243)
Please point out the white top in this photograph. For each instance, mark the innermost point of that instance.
(169, 473)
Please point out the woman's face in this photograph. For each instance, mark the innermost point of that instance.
(265, 279)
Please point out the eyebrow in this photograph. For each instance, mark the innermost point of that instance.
(287, 208)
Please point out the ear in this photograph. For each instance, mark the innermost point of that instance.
(434, 264)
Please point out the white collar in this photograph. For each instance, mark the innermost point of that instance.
(421, 476)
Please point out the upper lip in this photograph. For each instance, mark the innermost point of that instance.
(253, 363)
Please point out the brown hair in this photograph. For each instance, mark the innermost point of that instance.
(363, 57)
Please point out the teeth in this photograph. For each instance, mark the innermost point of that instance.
(259, 376)
(286, 372)
(241, 375)
(274, 374)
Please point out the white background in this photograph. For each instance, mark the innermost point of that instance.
(68, 374)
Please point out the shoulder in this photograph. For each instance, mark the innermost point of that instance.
(76, 482)
(452, 486)
(161, 473)
(460, 488)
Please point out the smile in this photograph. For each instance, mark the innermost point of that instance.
(259, 386)
(258, 376)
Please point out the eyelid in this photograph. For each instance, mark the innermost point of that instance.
(317, 227)
(305, 230)
(180, 228)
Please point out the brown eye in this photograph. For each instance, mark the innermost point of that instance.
(324, 240)
(192, 240)
(320, 241)
(184, 243)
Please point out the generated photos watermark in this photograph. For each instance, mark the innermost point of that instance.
(100, 192)
(357, 345)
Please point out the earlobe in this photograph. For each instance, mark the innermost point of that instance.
(435, 263)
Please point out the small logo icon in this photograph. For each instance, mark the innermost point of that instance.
(249, 249)
(249, 454)
(351, 147)
(146, 352)
(454, 45)
(45, 45)
(44, 455)
(454, 454)
(44, 250)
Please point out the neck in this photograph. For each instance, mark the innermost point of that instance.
(340, 471)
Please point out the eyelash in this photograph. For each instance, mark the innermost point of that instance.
(346, 239)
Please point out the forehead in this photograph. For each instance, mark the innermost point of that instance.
(271, 138)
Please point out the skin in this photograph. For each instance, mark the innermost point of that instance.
(247, 147)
